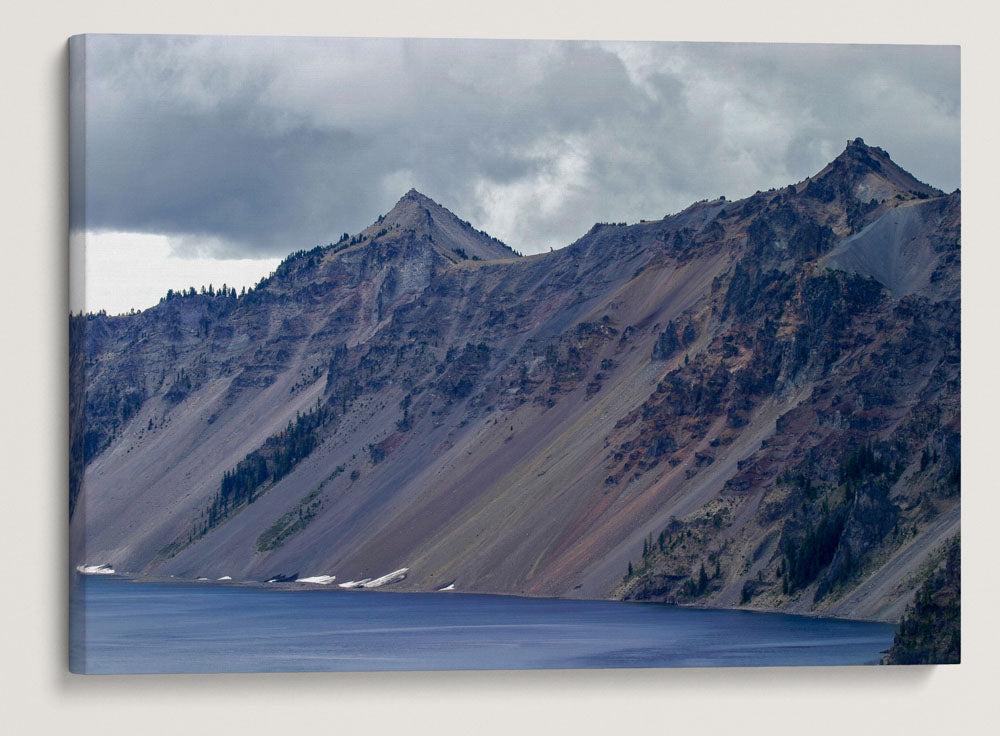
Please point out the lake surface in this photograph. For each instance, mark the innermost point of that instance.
(121, 626)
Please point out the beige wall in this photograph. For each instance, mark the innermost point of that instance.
(39, 697)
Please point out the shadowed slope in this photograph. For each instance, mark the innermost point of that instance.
(678, 395)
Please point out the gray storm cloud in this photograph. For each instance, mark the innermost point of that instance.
(248, 147)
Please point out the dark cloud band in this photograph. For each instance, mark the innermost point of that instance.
(261, 146)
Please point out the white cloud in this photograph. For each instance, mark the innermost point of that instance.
(126, 271)
(517, 211)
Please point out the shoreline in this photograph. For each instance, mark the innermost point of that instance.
(296, 587)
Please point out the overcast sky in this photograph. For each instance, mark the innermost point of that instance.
(208, 159)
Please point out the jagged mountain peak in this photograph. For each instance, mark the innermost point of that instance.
(859, 148)
(415, 201)
(415, 196)
(416, 211)
(868, 173)
(858, 159)
(419, 216)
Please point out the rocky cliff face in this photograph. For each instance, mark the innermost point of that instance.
(747, 403)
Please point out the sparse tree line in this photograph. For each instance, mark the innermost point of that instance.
(829, 539)
(263, 467)
(930, 631)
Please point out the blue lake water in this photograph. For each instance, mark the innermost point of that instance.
(121, 626)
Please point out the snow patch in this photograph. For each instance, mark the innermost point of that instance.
(354, 583)
(318, 579)
(393, 577)
(95, 569)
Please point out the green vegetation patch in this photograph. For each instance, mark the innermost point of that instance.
(930, 632)
(255, 474)
(290, 523)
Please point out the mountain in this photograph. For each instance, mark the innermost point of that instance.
(454, 239)
(750, 403)
(930, 631)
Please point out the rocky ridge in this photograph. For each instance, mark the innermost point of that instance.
(750, 403)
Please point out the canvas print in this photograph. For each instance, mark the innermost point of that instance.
(467, 354)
